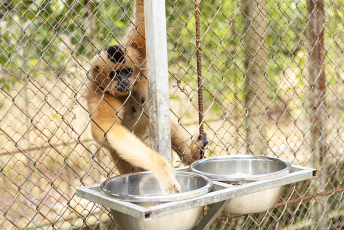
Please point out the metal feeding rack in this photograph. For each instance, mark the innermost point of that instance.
(218, 198)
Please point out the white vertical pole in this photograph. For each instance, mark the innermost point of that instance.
(158, 90)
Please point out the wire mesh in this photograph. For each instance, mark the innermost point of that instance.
(272, 79)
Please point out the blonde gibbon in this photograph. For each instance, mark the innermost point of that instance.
(117, 96)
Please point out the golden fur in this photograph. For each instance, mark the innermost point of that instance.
(117, 103)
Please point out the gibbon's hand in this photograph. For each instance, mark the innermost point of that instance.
(169, 183)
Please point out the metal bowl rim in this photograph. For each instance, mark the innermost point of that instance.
(224, 177)
(158, 198)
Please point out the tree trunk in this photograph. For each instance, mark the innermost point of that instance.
(255, 76)
(317, 107)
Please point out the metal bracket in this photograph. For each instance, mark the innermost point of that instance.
(213, 212)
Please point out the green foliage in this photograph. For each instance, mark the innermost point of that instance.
(46, 35)
(36, 34)
(223, 27)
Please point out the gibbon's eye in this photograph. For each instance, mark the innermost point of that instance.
(121, 74)
(124, 73)
(112, 74)
(115, 54)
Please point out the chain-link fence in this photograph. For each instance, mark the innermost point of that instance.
(264, 77)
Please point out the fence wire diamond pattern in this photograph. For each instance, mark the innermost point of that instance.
(270, 74)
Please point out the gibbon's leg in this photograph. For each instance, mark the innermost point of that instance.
(187, 149)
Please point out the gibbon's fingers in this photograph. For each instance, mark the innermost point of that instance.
(135, 152)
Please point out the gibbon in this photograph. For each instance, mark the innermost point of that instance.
(117, 96)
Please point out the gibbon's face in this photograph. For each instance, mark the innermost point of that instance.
(115, 70)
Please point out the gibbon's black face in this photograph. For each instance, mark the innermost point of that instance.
(121, 79)
(116, 69)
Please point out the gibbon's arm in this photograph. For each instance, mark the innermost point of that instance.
(136, 33)
(187, 149)
(129, 147)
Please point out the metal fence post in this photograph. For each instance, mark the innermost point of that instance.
(158, 90)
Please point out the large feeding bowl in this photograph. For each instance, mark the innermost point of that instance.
(240, 169)
(143, 189)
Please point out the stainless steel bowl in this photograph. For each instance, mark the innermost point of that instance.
(255, 202)
(143, 189)
(239, 169)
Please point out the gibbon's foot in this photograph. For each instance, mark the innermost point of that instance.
(193, 153)
(203, 142)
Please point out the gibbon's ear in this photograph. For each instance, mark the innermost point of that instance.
(115, 54)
